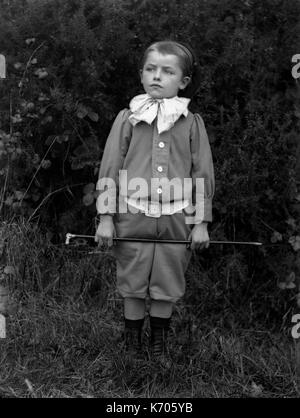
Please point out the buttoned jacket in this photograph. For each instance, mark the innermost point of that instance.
(182, 153)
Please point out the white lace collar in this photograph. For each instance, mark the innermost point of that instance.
(145, 108)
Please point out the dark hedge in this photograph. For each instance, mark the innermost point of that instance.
(72, 65)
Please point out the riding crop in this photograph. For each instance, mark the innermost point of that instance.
(161, 241)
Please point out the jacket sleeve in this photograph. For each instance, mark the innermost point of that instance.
(112, 161)
(202, 172)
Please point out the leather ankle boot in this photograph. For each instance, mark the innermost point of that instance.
(159, 336)
(133, 335)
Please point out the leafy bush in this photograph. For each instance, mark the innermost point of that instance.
(72, 65)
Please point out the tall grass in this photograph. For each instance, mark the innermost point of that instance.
(64, 333)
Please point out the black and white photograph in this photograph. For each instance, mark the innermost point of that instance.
(150, 202)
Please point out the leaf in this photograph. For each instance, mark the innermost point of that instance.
(62, 138)
(281, 285)
(43, 110)
(45, 164)
(36, 159)
(276, 237)
(256, 390)
(82, 111)
(80, 151)
(9, 200)
(93, 116)
(19, 195)
(289, 282)
(29, 41)
(29, 106)
(9, 270)
(50, 139)
(291, 222)
(17, 65)
(47, 119)
(16, 118)
(291, 277)
(290, 286)
(41, 73)
(88, 199)
(295, 242)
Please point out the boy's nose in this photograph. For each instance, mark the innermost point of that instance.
(157, 75)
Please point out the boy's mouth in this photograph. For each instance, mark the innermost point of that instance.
(155, 85)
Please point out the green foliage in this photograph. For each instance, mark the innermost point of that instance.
(72, 65)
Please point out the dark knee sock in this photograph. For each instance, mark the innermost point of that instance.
(162, 323)
(134, 323)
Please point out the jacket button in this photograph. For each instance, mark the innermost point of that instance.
(161, 144)
(159, 168)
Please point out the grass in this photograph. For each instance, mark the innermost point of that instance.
(64, 330)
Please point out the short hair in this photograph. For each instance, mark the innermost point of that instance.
(187, 61)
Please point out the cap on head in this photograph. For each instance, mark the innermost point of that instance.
(185, 55)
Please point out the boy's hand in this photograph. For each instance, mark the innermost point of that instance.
(105, 231)
(199, 237)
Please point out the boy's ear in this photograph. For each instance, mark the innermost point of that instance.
(141, 74)
(184, 82)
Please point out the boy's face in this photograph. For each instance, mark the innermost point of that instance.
(162, 76)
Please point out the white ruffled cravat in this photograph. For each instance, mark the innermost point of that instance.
(145, 108)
